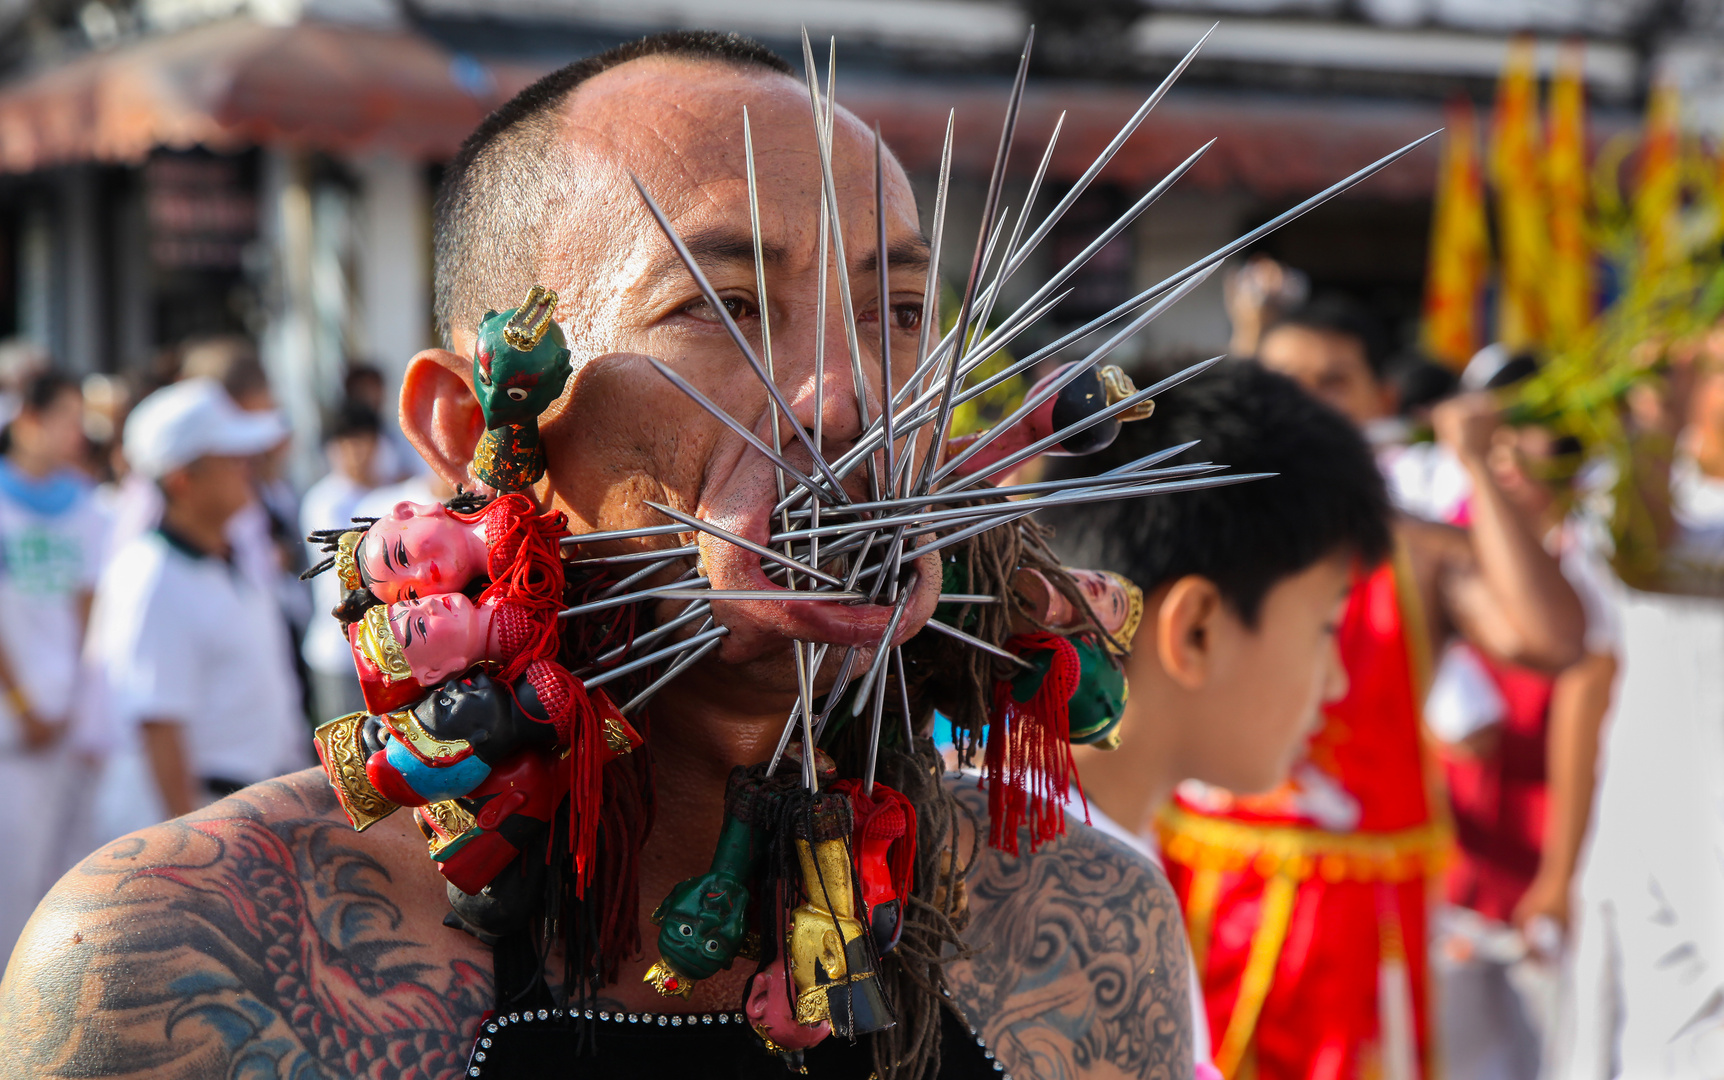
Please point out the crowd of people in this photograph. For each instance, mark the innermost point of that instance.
(157, 647)
(1368, 745)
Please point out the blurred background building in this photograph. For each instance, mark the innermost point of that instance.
(170, 168)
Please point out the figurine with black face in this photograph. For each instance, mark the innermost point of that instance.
(520, 366)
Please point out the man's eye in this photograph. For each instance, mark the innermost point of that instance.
(738, 308)
(907, 316)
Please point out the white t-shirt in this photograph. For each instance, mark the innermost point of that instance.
(186, 637)
(50, 550)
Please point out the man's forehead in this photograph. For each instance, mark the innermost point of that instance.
(672, 116)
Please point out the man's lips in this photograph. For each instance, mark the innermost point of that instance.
(732, 567)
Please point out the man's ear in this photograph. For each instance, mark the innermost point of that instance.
(1186, 629)
(439, 414)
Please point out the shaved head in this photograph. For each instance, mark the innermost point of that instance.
(498, 198)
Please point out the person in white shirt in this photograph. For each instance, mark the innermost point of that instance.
(195, 657)
(350, 443)
(50, 540)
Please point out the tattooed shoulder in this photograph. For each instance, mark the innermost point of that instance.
(1080, 965)
(259, 938)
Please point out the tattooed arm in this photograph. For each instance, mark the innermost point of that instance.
(1081, 966)
(259, 937)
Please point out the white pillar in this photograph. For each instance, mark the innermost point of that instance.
(83, 308)
(394, 264)
(286, 345)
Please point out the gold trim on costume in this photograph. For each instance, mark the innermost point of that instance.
(1119, 386)
(532, 318)
(450, 817)
(616, 738)
(668, 980)
(377, 641)
(1200, 912)
(1277, 911)
(347, 559)
(1199, 842)
(342, 751)
(425, 745)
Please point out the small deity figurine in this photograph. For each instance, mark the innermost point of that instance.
(831, 966)
(520, 366)
(403, 649)
(772, 1013)
(1114, 600)
(1083, 397)
(423, 549)
(885, 853)
(447, 745)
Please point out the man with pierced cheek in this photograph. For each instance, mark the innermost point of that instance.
(262, 933)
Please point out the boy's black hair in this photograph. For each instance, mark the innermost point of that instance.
(1335, 313)
(1327, 498)
(352, 418)
(1419, 382)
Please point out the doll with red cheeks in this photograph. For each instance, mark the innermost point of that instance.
(442, 636)
(423, 549)
(420, 549)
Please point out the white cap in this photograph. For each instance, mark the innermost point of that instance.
(187, 420)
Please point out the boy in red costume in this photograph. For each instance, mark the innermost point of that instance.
(1307, 906)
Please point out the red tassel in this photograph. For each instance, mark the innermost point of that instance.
(1027, 765)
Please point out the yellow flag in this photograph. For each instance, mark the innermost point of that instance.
(1569, 298)
(1517, 173)
(1460, 245)
(1658, 190)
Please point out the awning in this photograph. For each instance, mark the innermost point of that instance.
(237, 83)
(1276, 147)
(351, 89)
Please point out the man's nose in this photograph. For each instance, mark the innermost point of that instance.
(828, 388)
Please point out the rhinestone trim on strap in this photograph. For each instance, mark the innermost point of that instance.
(476, 1065)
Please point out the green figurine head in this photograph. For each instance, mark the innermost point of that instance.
(520, 364)
(702, 923)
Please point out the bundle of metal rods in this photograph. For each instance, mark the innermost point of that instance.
(829, 547)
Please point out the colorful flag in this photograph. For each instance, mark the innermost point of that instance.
(1460, 245)
(1569, 297)
(1658, 186)
(1517, 173)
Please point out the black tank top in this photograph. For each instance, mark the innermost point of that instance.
(601, 1045)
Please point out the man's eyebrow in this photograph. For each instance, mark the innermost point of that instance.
(909, 253)
(711, 247)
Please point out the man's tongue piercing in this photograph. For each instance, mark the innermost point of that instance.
(835, 492)
(656, 555)
(688, 661)
(819, 596)
(630, 598)
(705, 635)
(746, 544)
(618, 534)
(693, 612)
(640, 575)
(875, 687)
(868, 682)
(829, 202)
(974, 642)
(736, 334)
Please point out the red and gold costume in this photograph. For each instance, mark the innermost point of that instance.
(1307, 906)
